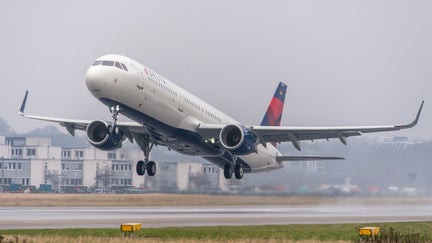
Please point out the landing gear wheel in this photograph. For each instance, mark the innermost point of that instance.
(140, 168)
(227, 172)
(239, 172)
(151, 168)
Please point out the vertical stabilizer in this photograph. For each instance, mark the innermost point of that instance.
(274, 111)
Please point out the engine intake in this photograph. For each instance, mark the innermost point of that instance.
(101, 135)
(238, 139)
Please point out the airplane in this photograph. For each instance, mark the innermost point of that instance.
(164, 114)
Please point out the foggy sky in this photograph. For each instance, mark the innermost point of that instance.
(344, 62)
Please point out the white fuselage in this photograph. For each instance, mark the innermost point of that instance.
(171, 113)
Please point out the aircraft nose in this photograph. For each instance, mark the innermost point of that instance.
(94, 79)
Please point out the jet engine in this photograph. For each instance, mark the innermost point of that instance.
(238, 139)
(103, 136)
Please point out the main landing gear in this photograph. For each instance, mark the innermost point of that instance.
(237, 169)
(142, 166)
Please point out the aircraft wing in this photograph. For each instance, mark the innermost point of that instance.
(70, 124)
(74, 124)
(271, 134)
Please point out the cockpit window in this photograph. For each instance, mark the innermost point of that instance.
(124, 67)
(108, 63)
(118, 65)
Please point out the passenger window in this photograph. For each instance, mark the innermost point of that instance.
(108, 63)
(118, 65)
(96, 63)
(124, 66)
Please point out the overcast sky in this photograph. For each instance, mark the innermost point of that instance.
(344, 62)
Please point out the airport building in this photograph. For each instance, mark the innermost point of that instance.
(35, 163)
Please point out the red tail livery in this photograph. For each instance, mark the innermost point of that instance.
(273, 114)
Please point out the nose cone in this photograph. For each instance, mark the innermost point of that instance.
(94, 79)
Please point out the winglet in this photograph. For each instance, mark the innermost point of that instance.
(413, 123)
(23, 104)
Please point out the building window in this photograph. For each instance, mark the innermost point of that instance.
(31, 152)
(74, 181)
(66, 153)
(6, 181)
(112, 155)
(16, 152)
(25, 181)
(79, 154)
(125, 182)
(12, 166)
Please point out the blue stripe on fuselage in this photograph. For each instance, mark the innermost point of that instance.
(180, 140)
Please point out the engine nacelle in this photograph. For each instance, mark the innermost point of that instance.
(101, 135)
(238, 139)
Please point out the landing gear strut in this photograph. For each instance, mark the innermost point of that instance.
(143, 141)
(115, 109)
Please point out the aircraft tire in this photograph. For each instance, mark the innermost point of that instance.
(151, 168)
(140, 168)
(227, 172)
(239, 172)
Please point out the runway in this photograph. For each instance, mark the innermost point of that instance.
(152, 217)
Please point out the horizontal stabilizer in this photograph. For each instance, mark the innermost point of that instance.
(305, 158)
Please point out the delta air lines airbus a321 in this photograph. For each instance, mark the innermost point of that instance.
(167, 115)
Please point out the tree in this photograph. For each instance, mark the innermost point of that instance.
(5, 129)
(103, 176)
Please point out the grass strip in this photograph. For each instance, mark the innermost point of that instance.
(328, 232)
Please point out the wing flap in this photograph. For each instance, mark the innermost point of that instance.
(306, 158)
